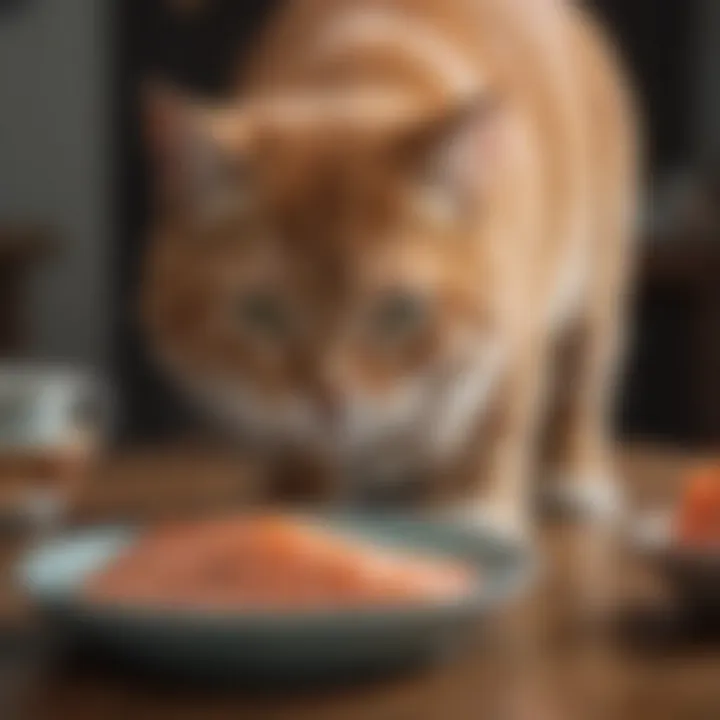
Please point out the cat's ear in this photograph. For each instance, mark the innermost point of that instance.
(196, 164)
(453, 158)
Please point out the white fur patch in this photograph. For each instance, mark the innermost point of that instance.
(373, 420)
(462, 401)
(569, 287)
(240, 409)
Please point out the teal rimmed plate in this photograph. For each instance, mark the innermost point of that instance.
(297, 644)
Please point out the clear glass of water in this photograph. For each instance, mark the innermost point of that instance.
(53, 422)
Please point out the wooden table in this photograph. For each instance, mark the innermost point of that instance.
(558, 654)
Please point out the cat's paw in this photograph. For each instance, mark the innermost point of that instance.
(592, 497)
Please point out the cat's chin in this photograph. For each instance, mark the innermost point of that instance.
(292, 424)
(413, 422)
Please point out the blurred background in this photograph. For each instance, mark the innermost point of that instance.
(73, 193)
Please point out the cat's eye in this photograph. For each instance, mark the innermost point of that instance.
(263, 313)
(398, 314)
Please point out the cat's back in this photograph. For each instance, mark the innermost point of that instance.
(549, 55)
(609, 111)
(550, 51)
(394, 35)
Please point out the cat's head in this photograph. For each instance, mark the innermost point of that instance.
(317, 273)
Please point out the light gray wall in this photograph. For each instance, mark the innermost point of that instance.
(54, 60)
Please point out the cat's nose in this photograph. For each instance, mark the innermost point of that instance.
(329, 403)
(326, 388)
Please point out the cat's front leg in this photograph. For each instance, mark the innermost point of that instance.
(578, 463)
(579, 471)
(501, 467)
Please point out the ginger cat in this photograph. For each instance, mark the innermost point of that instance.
(374, 250)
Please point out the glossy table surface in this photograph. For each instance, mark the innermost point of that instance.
(599, 636)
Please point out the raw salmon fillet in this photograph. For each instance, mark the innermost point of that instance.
(271, 563)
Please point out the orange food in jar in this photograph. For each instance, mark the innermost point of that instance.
(699, 517)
